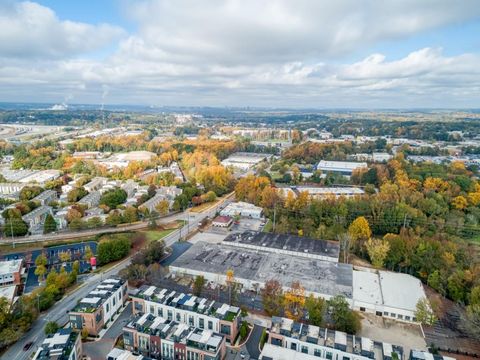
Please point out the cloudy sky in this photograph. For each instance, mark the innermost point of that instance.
(273, 53)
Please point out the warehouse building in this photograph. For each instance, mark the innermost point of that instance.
(320, 193)
(383, 293)
(286, 244)
(341, 167)
(245, 161)
(252, 268)
(242, 209)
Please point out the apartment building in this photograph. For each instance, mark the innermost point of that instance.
(91, 200)
(187, 309)
(11, 272)
(95, 311)
(63, 345)
(159, 338)
(287, 336)
(46, 197)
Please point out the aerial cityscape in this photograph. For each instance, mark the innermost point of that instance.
(228, 180)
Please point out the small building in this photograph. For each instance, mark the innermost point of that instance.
(119, 354)
(65, 344)
(11, 272)
(222, 221)
(322, 192)
(345, 168)
(91, 200)
(41, 177)
(95, 184)
(98, 308)
(46, 197)
(242, 209)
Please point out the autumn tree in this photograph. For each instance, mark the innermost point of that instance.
(344, 319)
(360, 231)
(64, 256)
(163, 207)
(272, 297)
(377, 250)
(294, 301)
(41, 266)
(87, 253)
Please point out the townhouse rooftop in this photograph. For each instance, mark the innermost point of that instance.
(98, 296)
(57, 346)
(150, 324)
(339, 340)
(187, 302)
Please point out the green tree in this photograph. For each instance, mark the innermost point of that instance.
(130, 215)
(163, 207)
(198, 285)
(50, 225)
(316, 308)
(76, 194)
(88, 253)
(15, 227)
(114, 218)
(41, 264)
(113, 248)
(424, 312)
(51, 327)
(113, 198)
(344, 319)
(29, 192)
(244, 330)
(377, 251)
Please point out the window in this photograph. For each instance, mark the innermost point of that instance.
(329, 355)
(190, 320)
(178, 317)
(317, 352)
(378, 313)
(400, 317)
(152, 309)
(210, 325)
(362, 308)
(304, 349)
(407, 318)
(114, 301)
(201, 323)
(169, 314)
(160, 312)
(385, 313)
(293, 346)
(108, 307)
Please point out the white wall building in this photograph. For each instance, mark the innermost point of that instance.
(242, 209)
(342, 167)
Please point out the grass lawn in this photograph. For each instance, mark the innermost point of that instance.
(268, 226)
(154, 235)
(204, 206)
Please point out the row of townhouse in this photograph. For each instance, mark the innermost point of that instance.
(288, 338)
(159, 338)
(98, 308)
(188, 309)
(65, 344)
(167, 193)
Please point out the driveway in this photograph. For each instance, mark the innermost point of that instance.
(253, 342)
(99, 349)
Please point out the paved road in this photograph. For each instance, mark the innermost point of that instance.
(99, 349)
(59, 311)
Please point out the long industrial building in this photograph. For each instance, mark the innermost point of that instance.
(384, 293)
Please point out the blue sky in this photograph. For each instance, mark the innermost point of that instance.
(307, 53)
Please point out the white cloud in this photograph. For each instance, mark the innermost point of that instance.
(28, 29)
(241, 52)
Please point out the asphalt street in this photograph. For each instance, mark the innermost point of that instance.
(59, 312)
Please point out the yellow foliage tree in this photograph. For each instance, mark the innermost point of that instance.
(294, 301)
(377, 251)
(359, 229)
(459, 202)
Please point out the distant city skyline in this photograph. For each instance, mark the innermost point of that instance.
(238, 53)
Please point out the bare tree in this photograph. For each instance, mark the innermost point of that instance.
(345, 241)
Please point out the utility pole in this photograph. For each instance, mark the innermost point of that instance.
(404, 221)
(274, 216)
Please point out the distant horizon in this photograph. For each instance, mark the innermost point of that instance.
(304, 54)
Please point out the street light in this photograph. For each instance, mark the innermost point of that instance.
(38, 303)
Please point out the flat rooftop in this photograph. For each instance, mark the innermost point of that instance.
(293, 243)
(8, 267)
(322, 277)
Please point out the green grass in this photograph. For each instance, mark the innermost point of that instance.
(154, 235)
(268, 226)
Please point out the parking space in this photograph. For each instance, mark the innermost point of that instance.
(209, 237)
(246, 224)
(178, 248)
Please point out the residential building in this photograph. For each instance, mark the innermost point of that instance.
(160, 338)
(98, 308)
(95, 184)
(41, 177)
(11, 272)
(289, 339)
(424, 355)
(36, 217)
(187, 309)
(46, 197)
(174, 169)
(222, 221)
(91, 200)
(65, 344)
(243, 209)
(341, 167)
(119, 354)
(10, 188)
(163, 193)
